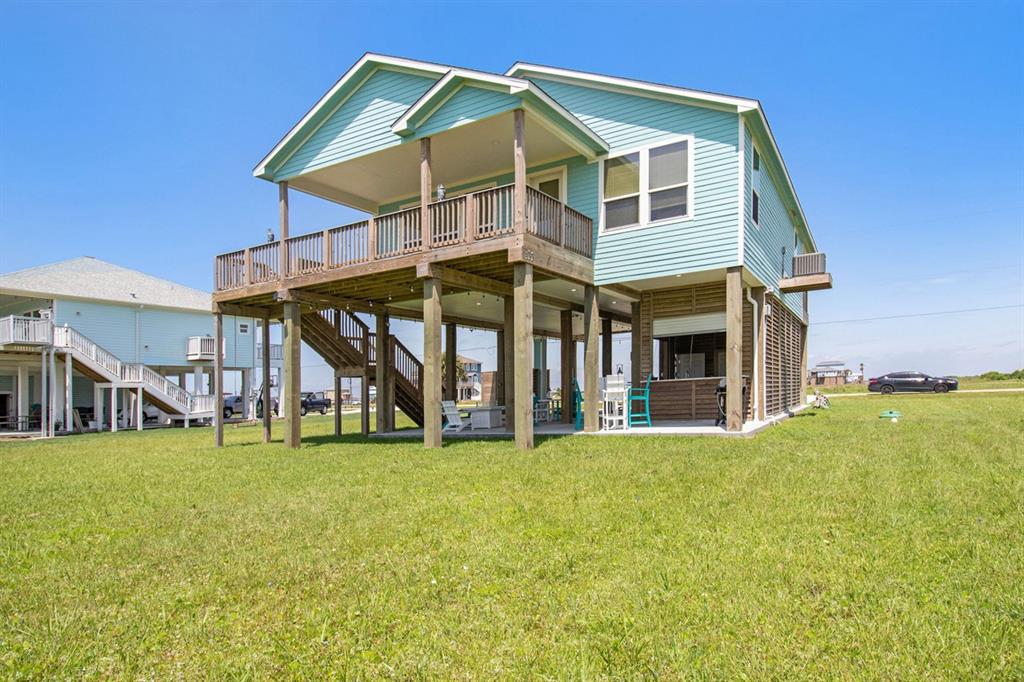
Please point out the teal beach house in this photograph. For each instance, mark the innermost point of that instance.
(546, 204)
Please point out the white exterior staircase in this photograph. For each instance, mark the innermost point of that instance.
(105, 367)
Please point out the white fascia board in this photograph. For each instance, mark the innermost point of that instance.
(737, 103)
(261, 170)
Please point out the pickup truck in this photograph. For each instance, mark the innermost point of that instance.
(314, 402)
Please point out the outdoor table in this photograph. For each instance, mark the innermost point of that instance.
(486, 417)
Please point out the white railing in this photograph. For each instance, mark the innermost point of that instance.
(201, 348)
(27, 330)
(275, 351)
(127, 372)
(202, 403)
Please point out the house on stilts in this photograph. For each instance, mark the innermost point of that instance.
(542, 202)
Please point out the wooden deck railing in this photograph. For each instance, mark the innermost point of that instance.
(472, 217)
(25, 330)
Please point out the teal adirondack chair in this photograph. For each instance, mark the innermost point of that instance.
(640, 416)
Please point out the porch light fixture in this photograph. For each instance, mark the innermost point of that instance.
(440, 192)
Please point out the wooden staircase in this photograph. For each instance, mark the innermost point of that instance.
(346, 344)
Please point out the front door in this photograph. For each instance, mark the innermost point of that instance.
(550, 184)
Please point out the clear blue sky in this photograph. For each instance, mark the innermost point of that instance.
(128, 131)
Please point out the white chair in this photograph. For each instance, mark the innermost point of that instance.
(614, 410)
(453, 420)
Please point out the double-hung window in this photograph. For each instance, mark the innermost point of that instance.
(647, 186)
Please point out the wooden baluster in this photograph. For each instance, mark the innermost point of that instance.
(371, 239)
(327, 252)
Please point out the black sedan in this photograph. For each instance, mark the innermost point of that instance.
(900, 382)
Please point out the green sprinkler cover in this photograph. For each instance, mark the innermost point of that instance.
(890, 414)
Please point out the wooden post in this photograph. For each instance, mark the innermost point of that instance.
(758, 381)
(268, 403)
(364, 387)
(519, 172)
(606, 346)
(636, 377)
(450, 359)
(371, 238)
(337, 379)
(425, 194)
(432, 362)
(383, 370)
(498, 390)
(803, 361)
(568, 362)
(292, 349)
(282, 212)
(113, 408)
(522, 292)
(509, 351)
(218, 380)
(43, 403)
(591, 380)
(734, 348)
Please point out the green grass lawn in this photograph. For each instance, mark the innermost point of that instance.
(834, 545)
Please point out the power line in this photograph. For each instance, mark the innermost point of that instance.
(937, 312)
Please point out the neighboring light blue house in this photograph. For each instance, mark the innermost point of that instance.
(546, 203)
(119, 332)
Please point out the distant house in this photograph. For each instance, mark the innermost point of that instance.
(831, 373)
(470, 387)
(111, 344)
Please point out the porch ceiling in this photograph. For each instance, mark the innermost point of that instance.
(470, 152)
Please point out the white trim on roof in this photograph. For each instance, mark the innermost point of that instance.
(398, 62)
(740, 103)
(514, 86)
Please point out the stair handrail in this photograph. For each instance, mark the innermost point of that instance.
(406, 364)
(69, 337)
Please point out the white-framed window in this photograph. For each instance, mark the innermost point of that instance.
(551, 182)
(647, 186)
(755, 207)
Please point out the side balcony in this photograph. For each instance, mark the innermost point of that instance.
(809, 274)
(478, 222)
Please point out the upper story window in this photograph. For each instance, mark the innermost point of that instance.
(757, 159)
(755, 207)
(647, 186)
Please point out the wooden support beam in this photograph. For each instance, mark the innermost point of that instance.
(519, 172)
(510, 364)
(337, 381)
(245, 310)
(498, 390)
(548, 257)
(568, 369)
(292, 350)
(218, 380)
(606, 346)
(450, 360)
(426, 185)
(432, 363)
(523, 351)
(323, 301)
(759, 343)
(591, 378)
(268, 404)
(636, 344)
(282, 212)
(734, 348)
(382, 371)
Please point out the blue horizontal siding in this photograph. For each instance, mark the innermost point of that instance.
(710, 239)
(163, 334)
(467, 105)
(763, 242)
(361, 125)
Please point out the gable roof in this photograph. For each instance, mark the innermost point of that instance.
(94, 279)
(555, 117)
(749, 109)
(334, 97)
